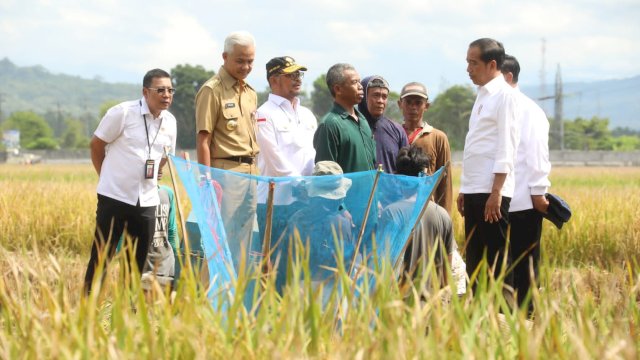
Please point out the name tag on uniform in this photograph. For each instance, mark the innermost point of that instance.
(229, 105)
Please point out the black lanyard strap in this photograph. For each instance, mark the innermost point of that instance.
(146, 129)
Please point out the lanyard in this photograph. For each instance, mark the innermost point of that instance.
(146, 129)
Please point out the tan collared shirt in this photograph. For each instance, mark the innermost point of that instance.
(435, 143)
(225, 107)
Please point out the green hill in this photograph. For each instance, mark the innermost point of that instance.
(35, 88)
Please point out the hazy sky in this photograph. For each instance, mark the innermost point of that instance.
(412, 40)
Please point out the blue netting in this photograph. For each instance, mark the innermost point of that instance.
(326, 212)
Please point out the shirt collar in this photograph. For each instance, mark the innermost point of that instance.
(279, 100)
(144, 109)
(425, 129)
(495, 84)
(229, 81)
(337, 108)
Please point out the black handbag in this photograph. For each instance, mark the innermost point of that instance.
(558, 212)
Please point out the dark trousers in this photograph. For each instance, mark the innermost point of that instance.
(482, 236)
(112, 216)
(526, 229)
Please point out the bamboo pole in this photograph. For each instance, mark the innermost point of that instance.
(266, 246)
(176, 194)
(364, 220)
(185, 260)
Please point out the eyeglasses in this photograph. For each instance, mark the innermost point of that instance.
(298, 75)
(161, 91)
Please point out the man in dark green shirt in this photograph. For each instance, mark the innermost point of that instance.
(344, 136)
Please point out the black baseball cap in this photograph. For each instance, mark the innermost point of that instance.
(283, 65)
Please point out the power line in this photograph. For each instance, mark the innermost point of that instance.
(1, 100)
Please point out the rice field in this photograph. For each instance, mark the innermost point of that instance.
(588, 303)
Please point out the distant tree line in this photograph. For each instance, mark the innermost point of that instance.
(449, 112)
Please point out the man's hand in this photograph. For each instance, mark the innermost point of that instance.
(540, 203)
(460, 204)
(163, 162)
(98, 152)
(492, 208)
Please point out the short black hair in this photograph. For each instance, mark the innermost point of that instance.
(490, 49)
(151, 74)
(412, 161)
(511, 65)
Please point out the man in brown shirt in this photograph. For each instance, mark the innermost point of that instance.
(225, 111)
(413, 102)
(226, 139)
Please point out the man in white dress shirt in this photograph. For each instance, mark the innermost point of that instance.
(487, 181)
(127, 153)
(285, 136)
(532, 168)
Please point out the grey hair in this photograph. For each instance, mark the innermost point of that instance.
(241, 38)
(335, 75)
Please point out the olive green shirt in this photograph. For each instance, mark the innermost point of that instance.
(348, 142)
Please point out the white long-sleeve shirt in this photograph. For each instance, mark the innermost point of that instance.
(490, 145)
(285, 136)
(532, 165)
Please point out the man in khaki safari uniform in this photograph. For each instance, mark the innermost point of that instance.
(226, 138)
(225, 111)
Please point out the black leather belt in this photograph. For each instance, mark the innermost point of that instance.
(241, 159)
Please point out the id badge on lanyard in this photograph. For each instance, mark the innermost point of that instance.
(150, 164)
(149, 168)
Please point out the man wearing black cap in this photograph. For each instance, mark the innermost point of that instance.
(285, 135)
(414, 102)
(285, 128)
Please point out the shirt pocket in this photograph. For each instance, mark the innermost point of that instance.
(134, 135)
(286, 133)
(163, 140)
(230, 116)
(231, 119)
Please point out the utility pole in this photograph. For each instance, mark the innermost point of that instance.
(557, 128)
(558, 107)
(543, 85)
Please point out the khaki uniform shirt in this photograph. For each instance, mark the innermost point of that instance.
(225, 107)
